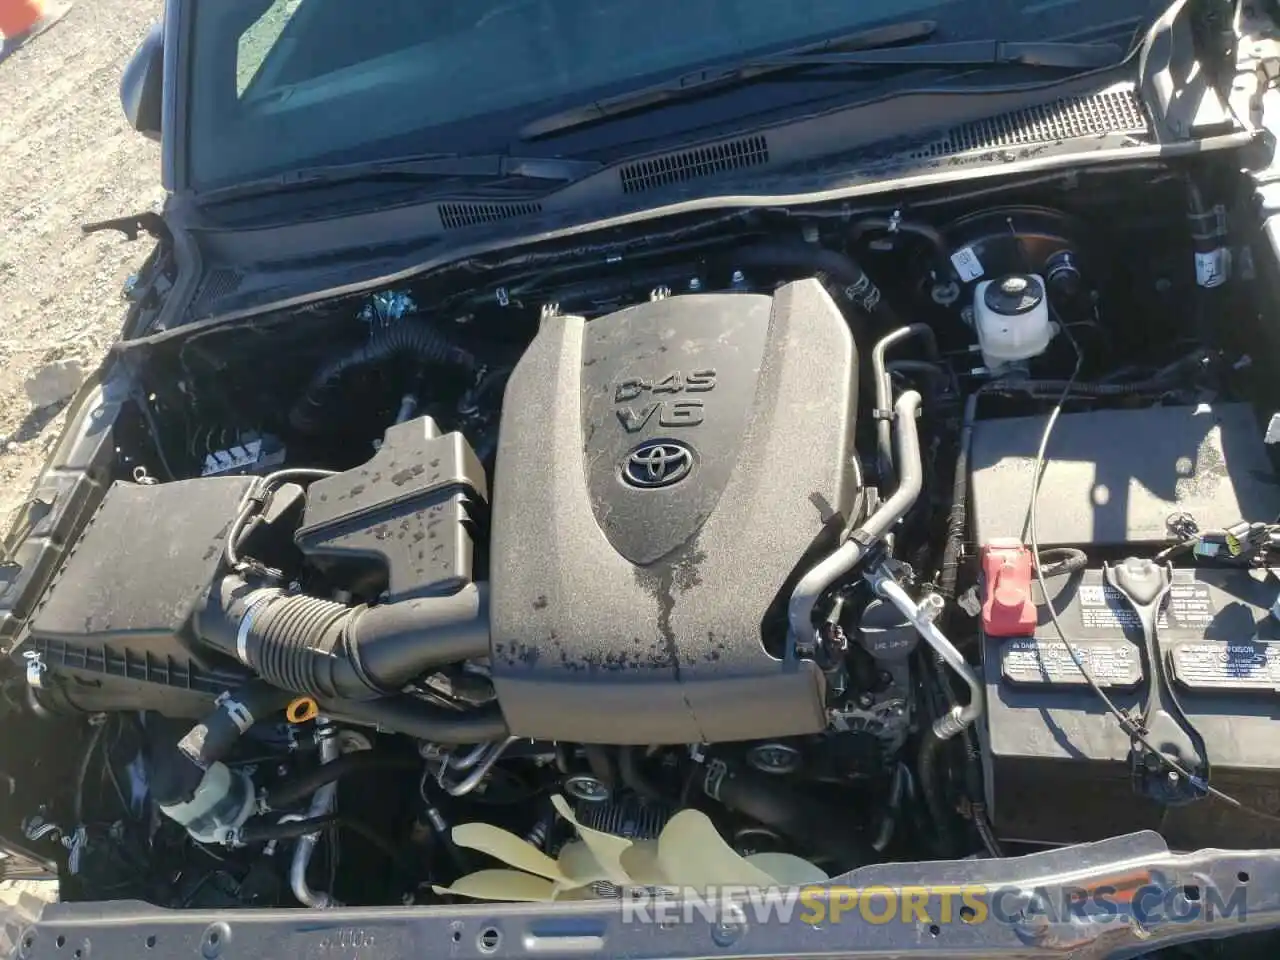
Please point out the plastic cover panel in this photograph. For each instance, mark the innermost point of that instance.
(714, 380)
(1114, 477)
(694, 164)
(406, 514)
(589, 642)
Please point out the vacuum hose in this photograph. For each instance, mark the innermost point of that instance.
(404, 338)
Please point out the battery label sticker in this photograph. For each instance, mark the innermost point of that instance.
(1028, 660)
(1235, 665)
(1103, 607)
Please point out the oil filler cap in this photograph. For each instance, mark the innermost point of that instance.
(1007, 609)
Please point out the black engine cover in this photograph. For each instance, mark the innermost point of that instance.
(664, 475)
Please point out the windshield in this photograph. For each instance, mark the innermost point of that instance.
(279, 84)
(282, 84)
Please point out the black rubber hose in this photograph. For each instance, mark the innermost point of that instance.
(629, 760)
(404, 338)
(214, 737)
(423, 721)
(297, 789)
(323, 648)
(927, 776)
(840, 268)
(82, 772)
(957, 518)
(262, 832)
(1063, 560)
(815, 826)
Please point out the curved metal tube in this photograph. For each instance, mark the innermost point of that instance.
(922, 618)
(462, 788)
(469, 759)
(850, 553)
(884, 390)
(322, 802)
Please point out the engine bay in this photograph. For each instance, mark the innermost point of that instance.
(931, 530)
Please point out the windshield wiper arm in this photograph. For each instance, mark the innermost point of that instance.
(706, 79)
(427, 167)
(877, 52)
(977, 53)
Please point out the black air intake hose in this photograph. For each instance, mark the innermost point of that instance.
(331, 651)
(404, 338)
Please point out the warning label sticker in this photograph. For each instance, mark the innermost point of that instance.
(1029, 660)
(1235, 665)
(1103, 607)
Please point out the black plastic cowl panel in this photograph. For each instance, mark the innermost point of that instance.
(633, 613)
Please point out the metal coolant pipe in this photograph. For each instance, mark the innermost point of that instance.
(850, 553)
(922, 617)
(322, 802)
(884, 391)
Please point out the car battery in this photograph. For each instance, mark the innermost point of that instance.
(1058, 760)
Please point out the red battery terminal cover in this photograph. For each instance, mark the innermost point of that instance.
(1007, 608)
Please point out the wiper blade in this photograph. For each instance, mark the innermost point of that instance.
(877, 52)
(977, 53)
(707, 79)
(428, 167)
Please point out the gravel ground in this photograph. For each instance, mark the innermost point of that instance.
(68, 158)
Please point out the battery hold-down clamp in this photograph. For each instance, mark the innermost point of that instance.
(1163, 725)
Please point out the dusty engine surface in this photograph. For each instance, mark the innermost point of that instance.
(596, 543)
(663, 475)
(671, 467)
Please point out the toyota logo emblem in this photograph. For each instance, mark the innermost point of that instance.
(657, 463)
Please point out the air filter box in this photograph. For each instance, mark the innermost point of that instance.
(112, 629)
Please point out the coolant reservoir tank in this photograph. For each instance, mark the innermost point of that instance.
(1011, 317)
